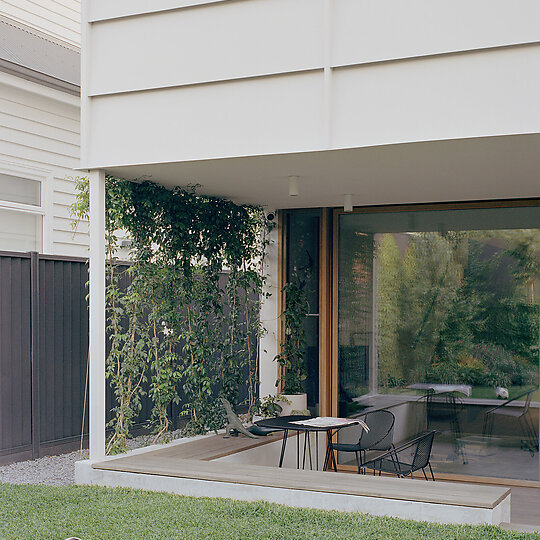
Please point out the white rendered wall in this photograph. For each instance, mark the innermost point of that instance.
(269, 318)
(192, 80)
(58, 18)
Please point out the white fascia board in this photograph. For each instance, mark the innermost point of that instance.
(35, 88)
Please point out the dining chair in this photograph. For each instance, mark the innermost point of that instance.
(379, 437)
(521, 414)
(406, 459)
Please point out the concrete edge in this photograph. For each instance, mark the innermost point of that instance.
(419, 511)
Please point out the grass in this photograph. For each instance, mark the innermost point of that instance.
(42, 512)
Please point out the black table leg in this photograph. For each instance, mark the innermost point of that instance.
(327, 457)
(317, 449)
(309, 450)
(297, 449)
(332, 453)
(330, 458)
(304, 453)
(283, 444)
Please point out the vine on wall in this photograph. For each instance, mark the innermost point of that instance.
(180, 324)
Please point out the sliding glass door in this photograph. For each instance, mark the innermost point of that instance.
(438, 322)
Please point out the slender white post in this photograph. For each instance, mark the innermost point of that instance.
(97, 315)
(268, 368)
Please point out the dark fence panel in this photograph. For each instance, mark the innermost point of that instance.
(63, 348)
(44, 356)
(15, 357)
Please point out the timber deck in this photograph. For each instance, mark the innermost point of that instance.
(213, 447)
(193, 460)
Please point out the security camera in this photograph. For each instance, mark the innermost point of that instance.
(271, 216)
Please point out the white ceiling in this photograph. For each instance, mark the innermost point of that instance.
(436, 171)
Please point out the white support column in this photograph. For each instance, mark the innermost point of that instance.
(269, 317)
(97, 315)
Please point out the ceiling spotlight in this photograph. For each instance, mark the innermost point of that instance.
(347, 203)
(293, 186)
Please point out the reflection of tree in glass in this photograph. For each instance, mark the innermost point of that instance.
(459, 308)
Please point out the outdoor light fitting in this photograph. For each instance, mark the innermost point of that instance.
(293, 186)
(347, 203)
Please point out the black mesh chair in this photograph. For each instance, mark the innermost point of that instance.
(407, 458)
(379, 437)
(446, 407)
(521, 414)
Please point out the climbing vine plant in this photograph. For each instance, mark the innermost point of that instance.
(188, 322)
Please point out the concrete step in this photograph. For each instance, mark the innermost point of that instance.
(519, 527)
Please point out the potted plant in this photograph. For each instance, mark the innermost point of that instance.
(270, 407)
(292, 358)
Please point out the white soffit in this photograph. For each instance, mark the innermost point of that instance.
(453, 170)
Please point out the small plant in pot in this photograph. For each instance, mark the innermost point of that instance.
(292, 358)
(270, 406)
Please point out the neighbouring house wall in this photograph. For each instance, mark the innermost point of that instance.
(39, 132)
(58, 18)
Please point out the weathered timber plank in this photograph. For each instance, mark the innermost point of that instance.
(214, 447)
(156, 463)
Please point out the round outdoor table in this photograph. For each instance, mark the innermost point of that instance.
(287, 423)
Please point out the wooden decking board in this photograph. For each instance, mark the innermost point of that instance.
(214, 447)
(157, 463)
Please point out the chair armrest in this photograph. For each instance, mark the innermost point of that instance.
(505, 403)
(393, 453)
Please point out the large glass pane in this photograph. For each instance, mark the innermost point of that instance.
(455, 297)
(20, 231)
(303, 267)
(355, 317)
(20, 190)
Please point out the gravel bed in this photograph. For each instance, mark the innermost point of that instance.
(45, 471)
(57, 470)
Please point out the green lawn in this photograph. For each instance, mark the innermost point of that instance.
(37, 512)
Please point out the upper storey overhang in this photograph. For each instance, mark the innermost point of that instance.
(395, 101)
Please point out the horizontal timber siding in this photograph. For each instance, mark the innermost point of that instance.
(58, 18)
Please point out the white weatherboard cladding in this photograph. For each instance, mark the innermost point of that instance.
(255, 116)
(467, 95)
(366, 31)
(39, 139)
(228, 41)
(57, 18)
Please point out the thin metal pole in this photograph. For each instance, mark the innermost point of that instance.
(305, 444)
(283, 444)
(308, 435)
(297, 449)
(317, 448)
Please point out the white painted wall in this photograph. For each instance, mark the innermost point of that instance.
(58, 18)
(215, 120)
(39, 139)
(195, 80)
(268, 368)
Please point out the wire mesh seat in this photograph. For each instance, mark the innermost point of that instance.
(379, 437)
(407, 458)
